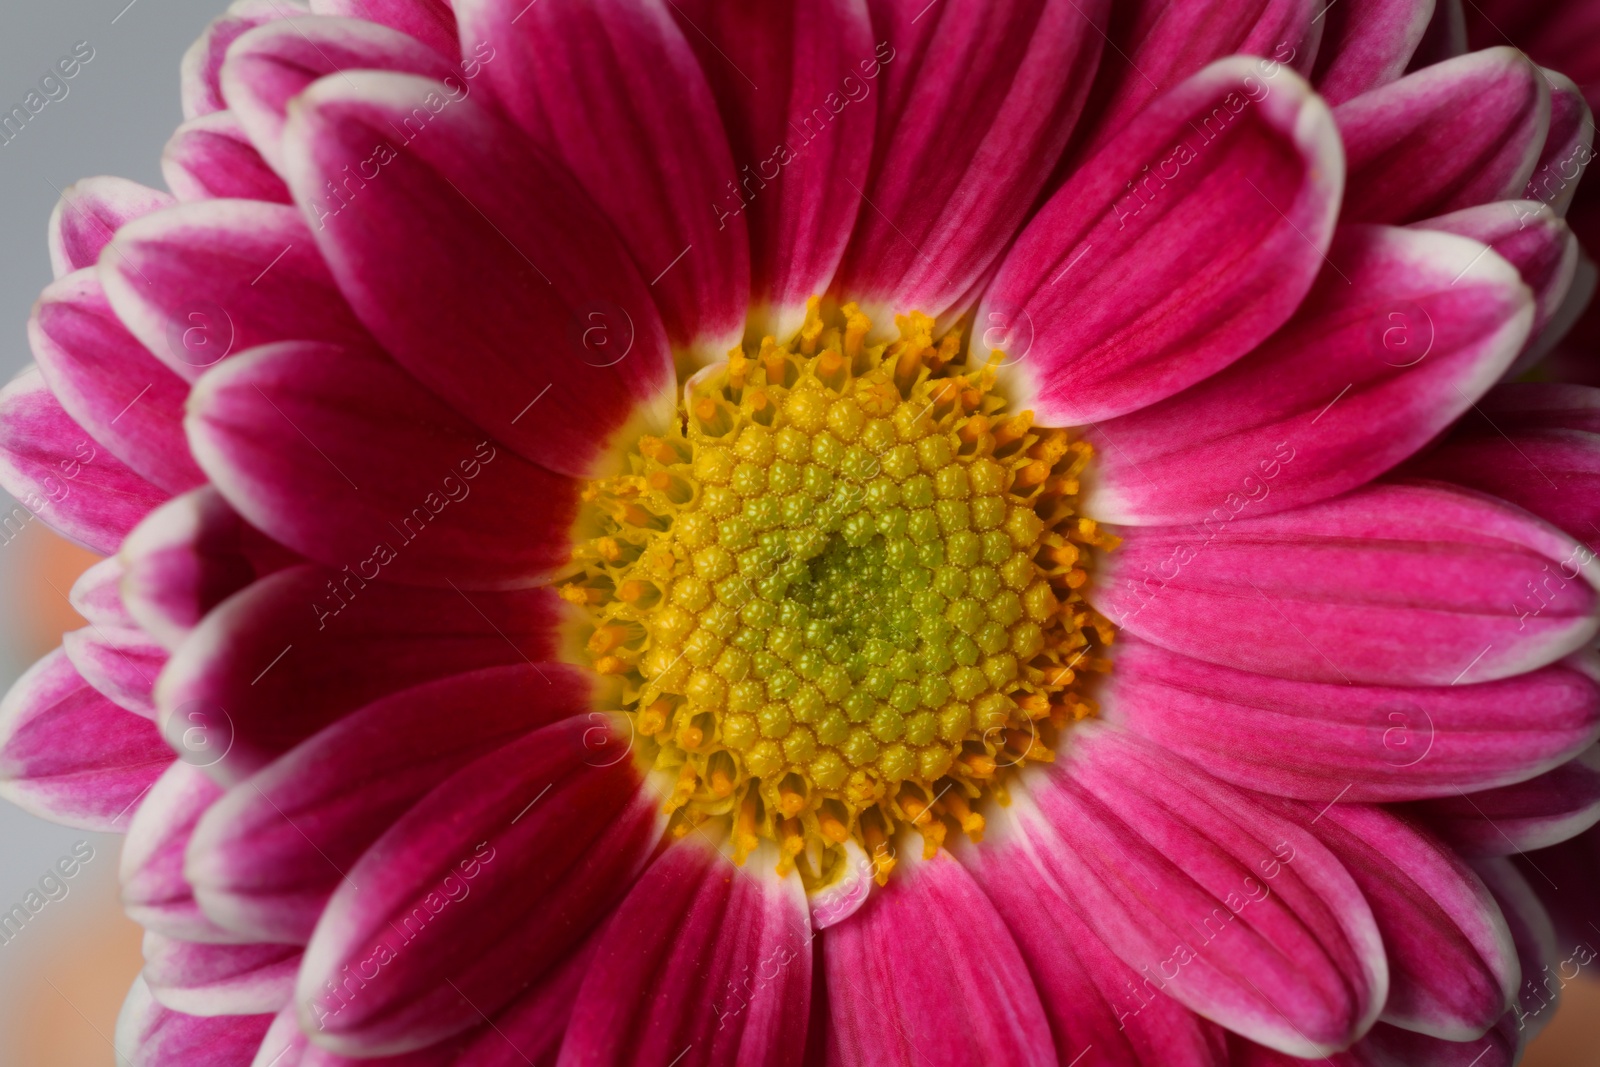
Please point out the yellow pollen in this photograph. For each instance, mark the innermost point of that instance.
(842, 596)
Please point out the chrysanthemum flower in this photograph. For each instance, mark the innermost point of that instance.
(940, 533)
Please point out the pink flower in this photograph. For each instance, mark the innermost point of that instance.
(831, 532)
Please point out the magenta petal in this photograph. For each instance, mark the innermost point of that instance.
(70, 755)
(1535, 938)
(150, 1035)
(1367, 43)
(534, 1025)
(978, 102)
(546, 316)
(1411, 584)
(155, 893)
(200, 281)
(209, 979)
(701, 956)
(480, 889)
(96, 596)
(802, 144)
(1161, 860)
(266, 858)
(877, 973)
(271, 65)
(109, 383)
(211, 158)
(89, 214)
(624, 105)
(1371, 744)
(286, 1045)
(1567, 148)
(279, 661)
(430, 21)
(120, 662)
(1534, 814)
(1401, 333)
(202, 63)
(1113, 299)
(188, 556)
(1452, 965)
(1093, 999)
(343, 456)
(1451, 136)
(61, 475)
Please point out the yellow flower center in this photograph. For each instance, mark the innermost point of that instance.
(844, 596)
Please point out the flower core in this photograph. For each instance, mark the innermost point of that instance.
(843, 595)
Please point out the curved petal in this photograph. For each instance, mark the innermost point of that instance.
(513, 262)
(109, 383)
(149, 1035)
(1119, 295)
(1371, 744)
(200, 281)
(892, 998)
(155, 893)
(1401, 333)
(480, 889)
(209, 979)
(703, 963)
(88, 215)
(61, 475)
(211, 158)
(1161, 860)
(979, 103)
(120, 662)
(286, 1045)
(1567, 149)
(1367, 44)
(202, 63)
(343, 456)
(1454, 135)
(1409, 584)
(96, 597)
(272, 64)
(1530, 237)
(185, 558)
(274, 664)
(432, 22)
(624, 105)
(1535, 938)
(535, 1024)
(802, 144)
(1529, 815)
(70, 755)
(267, 856)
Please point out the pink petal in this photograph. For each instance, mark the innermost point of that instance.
(978, 103)
(211, 158)
(1461, 133)
(343, 456)
(1370, 744)
(1367, 44)
(1452, 966)
(273, 64)
(1534, 814)
(207, 979)
(1160, 860)
(430, 21)
(109, 383)
(480, 889)
(1402, 331)
(1535, 938)
(624, 105)
(286, 1045)
(95, 595)
(278, 662)
(894, 996)
(1412, 584)
(155, 893)
(120, 662)
(802, 145)
(266, 858)
(149, 1035)
(89, 213)
(202, 63)
(512, 260)
(1530, 237)
(1103, 306)
(61, 475)
(70, 755)
(1094, 1000)
(1567, 148)
(533, 1026)
(201, 281)
(703, 961)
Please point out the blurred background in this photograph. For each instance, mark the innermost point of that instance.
(63, 978)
